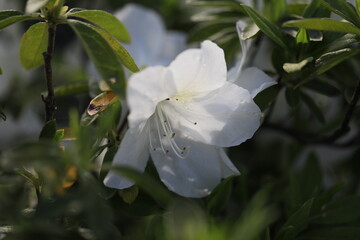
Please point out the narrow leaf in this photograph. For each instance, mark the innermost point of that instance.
(10, 17)
(33, 44)
(267, 27)
(324, 24)
(313, 107)
(105, 21)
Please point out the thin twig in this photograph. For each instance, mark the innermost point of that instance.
(312, 138)
(49, 100)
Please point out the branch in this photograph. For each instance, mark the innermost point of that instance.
(49, 100)
(312, 138)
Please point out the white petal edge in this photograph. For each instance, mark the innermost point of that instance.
(227, 167)
(254, 80)
(199, 70)
(134, 153)
(194, 176)
(145, 90)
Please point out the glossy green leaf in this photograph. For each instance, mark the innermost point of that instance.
(296, 223)
(267, 27)
(102, 54)
(324, 24)
(105, 21)
(34, 5)
(33, 45)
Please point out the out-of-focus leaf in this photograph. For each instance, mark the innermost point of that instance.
(311, 177)
(309, 102)
(316, 10)
(229, 4)
(105, 21)
(357, 4)
(324, 198)
(296, 8)
(102, 54)
(324, 24)
(205, 31)
(101, 102)
(340, 211)
(295, 67)
(49, 130)
(267, 27)
(11, 17)
(35, 181)
(292, 97)
(1, 72)
(59, 136)
(275, 9)
(146, 183)
(130, 194)
(108, 158)
(332, 233)
(72, 89)
(34, 5)
(220, 196)
(33, 44)
(296, 222)
(343, 9)
(323, 88)
(266, 97)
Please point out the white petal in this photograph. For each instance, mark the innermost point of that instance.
(227, 167)
(147, 32)
(199, 70)
(254, 80)
(133, 152)
(196, 175)
(145, 90)
(224, 117)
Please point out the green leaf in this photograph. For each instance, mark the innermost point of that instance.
(49, 130)
(343, 9)
(206, 30)
(105, 21)
(35, 181)
(309, 102)
(296, 222)
(228, 4)
(267, 27)
(102, 54)
(357, 2)
(34, 5)
(302, 36)
(146, 183)
(323, 87)
(324, 198)
(59, 136)
(324, 24)
(33, 44)
(275, 9)
(9, 17)
(295, 67)
(220, 196)
(130, 194)
(340, 211)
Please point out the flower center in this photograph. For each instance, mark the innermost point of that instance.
(166, 135)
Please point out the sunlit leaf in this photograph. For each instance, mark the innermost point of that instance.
(101, 102)
(105, 21)
(33, 45)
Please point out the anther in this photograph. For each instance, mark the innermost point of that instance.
(176, 99)
(164, 135)
(167, 99)
(195, 123)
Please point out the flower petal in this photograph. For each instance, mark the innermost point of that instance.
(254, 80)
(199, 70)
(227, 167)
(147, 32)
(225, 117)
(195, 175)
(133, 152)
(145, 90)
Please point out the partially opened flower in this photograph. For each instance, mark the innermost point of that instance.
(182, 115)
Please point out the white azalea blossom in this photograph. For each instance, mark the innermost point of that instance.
(182, 115)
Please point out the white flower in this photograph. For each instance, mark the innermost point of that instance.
(182, 115)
